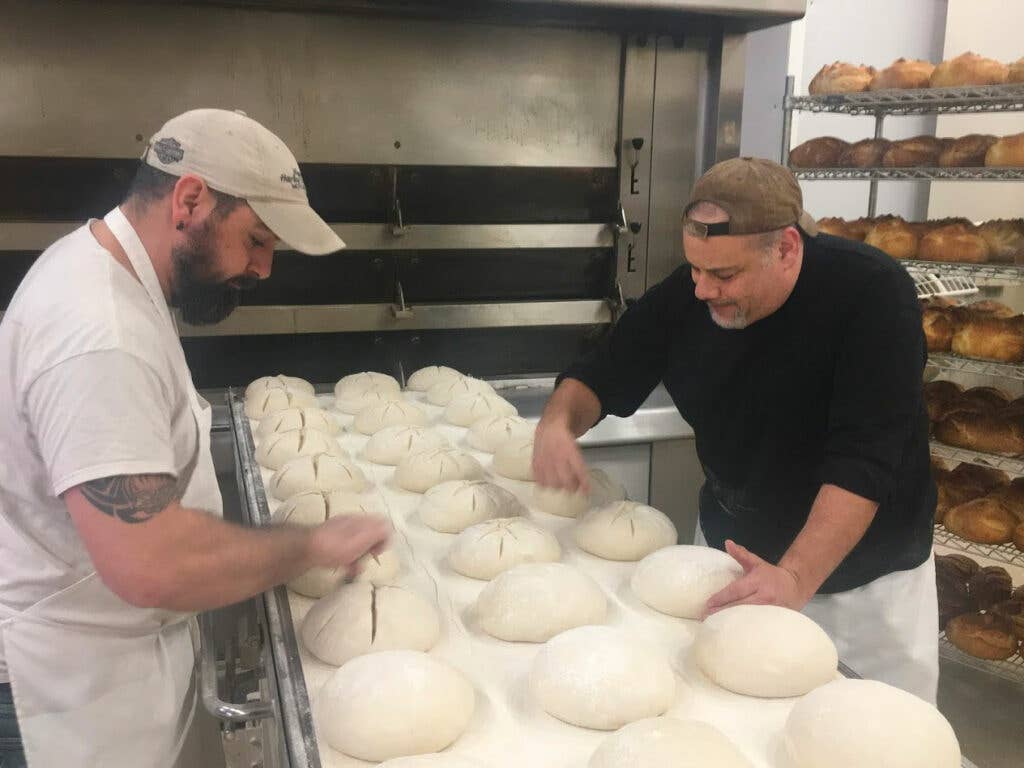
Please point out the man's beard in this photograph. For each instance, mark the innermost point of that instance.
(737, 322)
(202, 300)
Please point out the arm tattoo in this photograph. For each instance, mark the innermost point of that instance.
(131, 498)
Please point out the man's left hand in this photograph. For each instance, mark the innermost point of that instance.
(761, 584)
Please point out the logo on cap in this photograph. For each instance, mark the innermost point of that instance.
(168, 150)
(294, 179)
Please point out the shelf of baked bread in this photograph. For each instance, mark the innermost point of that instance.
(919, 101)
(1008, 464)
(947, 362)
(985, 271)
(1007, 554)
(1011, 669)
(909, 174)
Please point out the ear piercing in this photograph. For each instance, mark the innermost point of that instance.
(180, 226)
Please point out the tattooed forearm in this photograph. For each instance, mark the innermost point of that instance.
(131, 498)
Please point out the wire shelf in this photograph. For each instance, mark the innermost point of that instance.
(921, 101)
(1012, 669)
(1006, 463)
(1005, 272)
(909, 174)
(948, 362)
(929, 285)
(1002, 553)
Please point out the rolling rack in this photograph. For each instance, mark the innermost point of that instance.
(935, 278)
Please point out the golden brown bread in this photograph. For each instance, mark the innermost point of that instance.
(963, 484)
(1015, 72)
(938, 329)
(990, 338)
(822, 152)
(987, 478)
(903, 73)
(967, 151)
(841, 77)
(990, 585)
(1012, 497)
(990, 308)
(1005, 239)
(983, 432)
(982, 400)
(955, 242)
(918, 151)
(834, 226)
(1007, 152)
(985, 636)
(866, 153)
(968, 69)
(1012, 609)
(939, 396)
(859, 228)
(984, 521)
(894, 236)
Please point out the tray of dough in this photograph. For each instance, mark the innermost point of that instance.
(507, 727)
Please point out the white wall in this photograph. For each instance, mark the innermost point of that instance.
(970, 27)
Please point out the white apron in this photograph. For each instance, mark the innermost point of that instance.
(96, 681)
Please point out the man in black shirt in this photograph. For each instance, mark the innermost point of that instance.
(797, 358)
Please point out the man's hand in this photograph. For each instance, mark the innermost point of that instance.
(761, 584)
(343, 540)
(557, 459)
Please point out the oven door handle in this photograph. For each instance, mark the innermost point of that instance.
(208, 689)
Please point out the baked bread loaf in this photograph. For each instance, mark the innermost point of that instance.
(982, 400)
(951, 585)
(964, 484)
(894, 236)
(841, 77)
(962, 566)
(990, 585)
(822, 152)
(985, 636)
(968, 69)
(955, 242)
(967, 151)
(859, 228)
(990, 308)
(938, 329)
(1012, 609)
(939, 396)
(990, 338)
(1005, 239)
(986, 478)
(1007, 152)
(1015, 72)
(910, 153)
(1011, 496)
(903, 73)
(983, 521)
(866, 153)
(984, 432)
(836, 227)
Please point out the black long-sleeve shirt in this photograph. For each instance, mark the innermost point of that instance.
(825, 390)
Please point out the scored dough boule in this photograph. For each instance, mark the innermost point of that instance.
(602, 678)
(658, 742)
(421, 471)
(454, 505)
(484, 550)
(444, 391)
(466, 410)
(765, 650)
(423, 379)
(679, 580)
(491, 432)
(281, 447)
(514, 459)
(856, 723)
(270, 401)
(624, 530)
(394, 703)
(297, 418)
(536, 601)
(373, 419)
(355, 402)
(603, 491)
(376, 569)
(366, 381)
(280, 381)
(321, 472)
(316, 507)
(362, 618)
(392, 444)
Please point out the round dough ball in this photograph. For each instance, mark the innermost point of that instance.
(372, 420)
(514, 459)
(444, 391)
(392, 704)
(856, 723)
(297, 418)
(374, 569)
(534, 602)
(602, 678)
(356, 383)
(435, 760)
(322, 472)
(624, 530)
(664, 741)
(491, 432)
(468, 409)
(316, 507)
(270, 401)
(484, 550)
(425, 378)
(419, 472)
(280, 448)
(454, 505)
(765, 650)
(263, 383)
(392, 444)
(362, 618)
(555, 501)
(356, 402)
(679, 580)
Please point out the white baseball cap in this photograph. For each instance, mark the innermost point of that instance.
(234, 154)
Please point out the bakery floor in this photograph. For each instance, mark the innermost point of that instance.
(986, 712)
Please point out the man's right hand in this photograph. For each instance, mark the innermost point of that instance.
(343, 540)
(557, 459)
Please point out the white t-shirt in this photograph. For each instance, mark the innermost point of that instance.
(90, 390)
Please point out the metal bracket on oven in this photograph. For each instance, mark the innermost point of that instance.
(208, 689)
(397, 225)
(621, 223)
(399, 308)
(617, 302)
